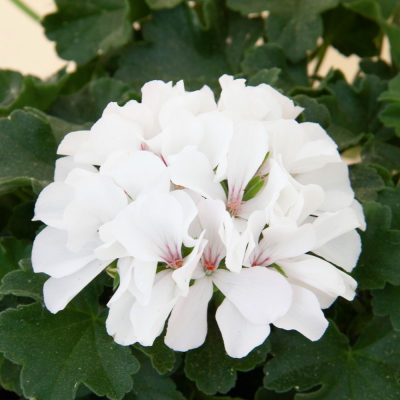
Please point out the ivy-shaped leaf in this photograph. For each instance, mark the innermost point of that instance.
(351, 33)
(149, 385)
(60, 351)
(269, 56)
(386, 302)
(369, 370)
(84, 28)
(379, 260)
(17, 91)
(24, 282)
(296, 26)
(384, 154)
(179, 46)
(88, 104)
(390, 115)
(20, 224)
(10, 376)
(313, 112)
(354, 109)
(391, 197)
(366, 182)
(11, 252)
(212, 369)
(162, 357)
(27, 150)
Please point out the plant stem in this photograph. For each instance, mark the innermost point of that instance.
(26, 9)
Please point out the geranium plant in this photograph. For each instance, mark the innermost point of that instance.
(195, 212)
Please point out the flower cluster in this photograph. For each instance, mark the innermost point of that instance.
(184, 197)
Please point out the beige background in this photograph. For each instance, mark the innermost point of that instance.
(25, 48)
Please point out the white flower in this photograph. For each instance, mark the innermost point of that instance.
(266, 207)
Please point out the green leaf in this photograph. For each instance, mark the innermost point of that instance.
(268, 76)
(366, 182)
(212, 369)
(24, 283)
(58, 126)
(265, 394)
(378, 67)
(159, 4)
(378, 262)
(384, 154)
(161, 356)
(20, 224)
(88, 104)
(390, 114)
(10, 375)
(313, 112)
(11, 252)
(354, 109)
(386, 302)
(391, 197)
(296, 26)
(27, 150)
(149, 385)
(83, 28)
(178, 48)
(368, 371)
(242, 33)
(351, 33)
(17, 91)
(60, 351)
(269, 56)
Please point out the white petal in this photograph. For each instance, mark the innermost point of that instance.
(334, 179)
(212, 214)
(260, 295)
(51, 256)
(358, 209)
(98, 194)
(311, 198)
(189, 213)
(72, 142)
(118, 323)
(316, 273)
(58, 292)
(160, 217)
(133, 170)
(183, 275)
(305, 315)
(247, 151)
(314, 155)
(50, 205)
(240, 336)
(81, 225)
(289, 110)
(65, 165)
(280, 242)
(125, 267)
(343, 251)
(329, 226)
(114, 132)
(148, 321)
(187, 325)
(235, 243)
(143, 274)
(136, 242)
(217, 133)
(191, 169)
